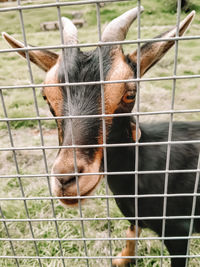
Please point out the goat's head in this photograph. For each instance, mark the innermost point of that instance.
(77, 66)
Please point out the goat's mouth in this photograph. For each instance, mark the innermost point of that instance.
(86, 185)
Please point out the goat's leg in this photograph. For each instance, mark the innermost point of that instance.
(177, 246)
(129, 250)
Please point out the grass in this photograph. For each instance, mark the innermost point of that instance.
(20, 103)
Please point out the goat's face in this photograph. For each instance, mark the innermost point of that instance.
(86, 100)
(72, 167)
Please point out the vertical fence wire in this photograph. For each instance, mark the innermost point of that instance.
(194, 200)
(71, 132)
(18, 174)
(9, 237)
(40, 127)
(36, 107)
(168, 154)
(104, 127)
(137, 127)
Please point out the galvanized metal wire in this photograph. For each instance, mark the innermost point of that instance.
(11, 147)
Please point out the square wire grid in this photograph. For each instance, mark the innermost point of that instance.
(38, 256)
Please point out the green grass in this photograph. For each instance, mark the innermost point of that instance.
(20, 103)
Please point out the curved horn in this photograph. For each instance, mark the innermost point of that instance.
(69, 31)
(117, 29)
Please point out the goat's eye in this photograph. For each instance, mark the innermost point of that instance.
(129, 97)
(44, 97)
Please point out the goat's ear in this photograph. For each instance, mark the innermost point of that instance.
(134, 133)
(152, 52)
(42, 58)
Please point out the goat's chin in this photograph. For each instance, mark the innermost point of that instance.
(87, 185)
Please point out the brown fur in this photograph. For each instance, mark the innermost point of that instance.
(87, 183)
(54, 96)
(45, 59)
(120, 70)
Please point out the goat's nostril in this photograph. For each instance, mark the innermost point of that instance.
(60, 171)
(80, 170)
(67, 180)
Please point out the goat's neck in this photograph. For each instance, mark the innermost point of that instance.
(121, 159)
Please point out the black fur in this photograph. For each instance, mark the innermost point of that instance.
(153, 158)
(85, 99)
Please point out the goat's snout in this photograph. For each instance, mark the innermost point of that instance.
(65, 174)
(70, 180)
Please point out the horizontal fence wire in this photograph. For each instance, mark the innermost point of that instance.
(99, 257)
(101, 82)
(99, 44)
(36, 232)
(59, 4)
(102, 219)
(97, 239)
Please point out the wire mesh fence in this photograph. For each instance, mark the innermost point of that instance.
(34, 228)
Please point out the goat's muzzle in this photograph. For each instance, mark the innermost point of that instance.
(66, 184)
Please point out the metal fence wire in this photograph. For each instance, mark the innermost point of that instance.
(35, 230)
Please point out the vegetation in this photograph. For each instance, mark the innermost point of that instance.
(154, 96)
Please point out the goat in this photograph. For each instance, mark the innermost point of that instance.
(119, 98)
